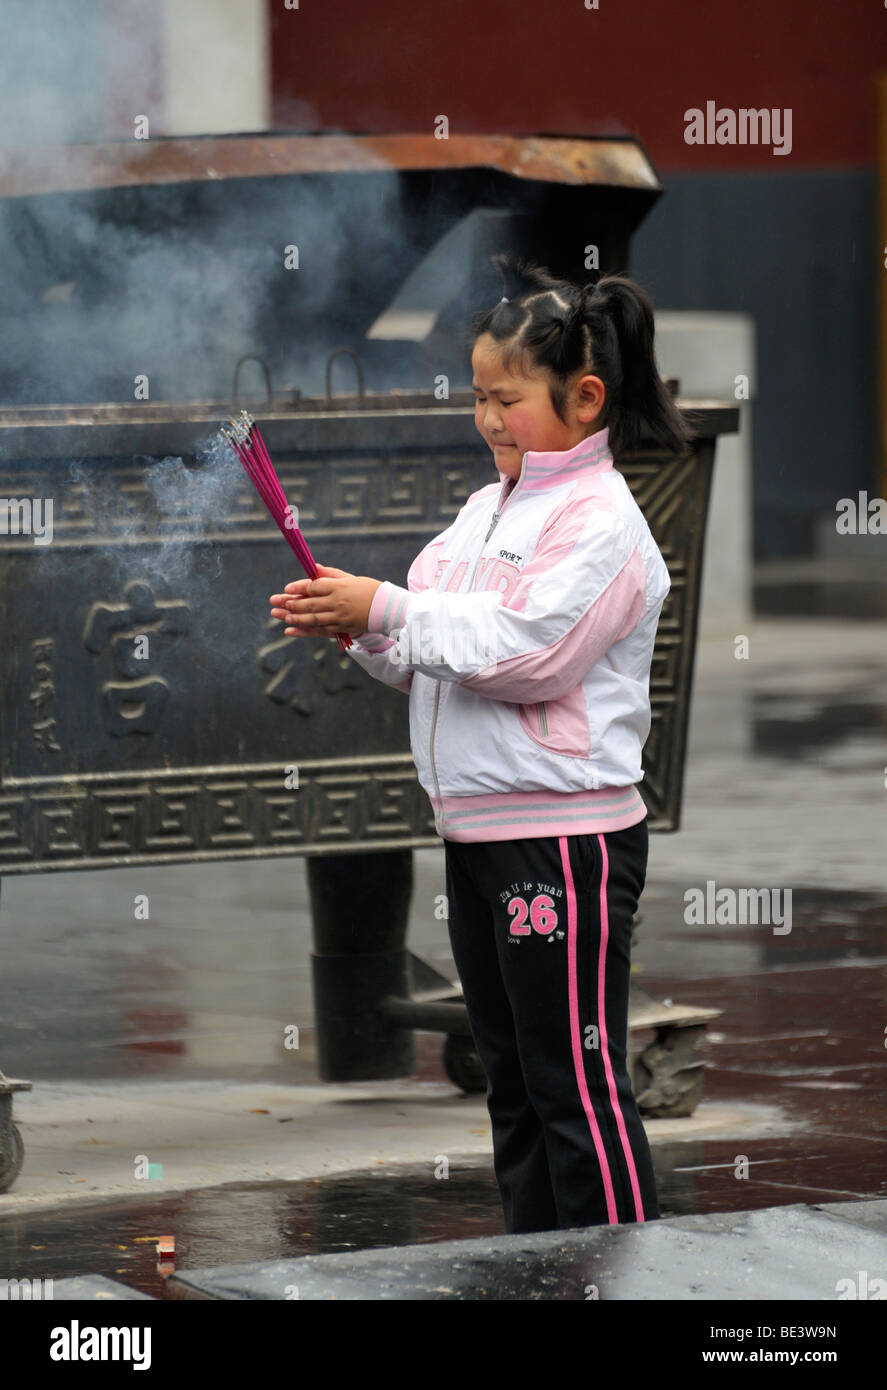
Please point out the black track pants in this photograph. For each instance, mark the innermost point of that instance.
(541, 936)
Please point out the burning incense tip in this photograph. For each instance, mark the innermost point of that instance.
(244, 438)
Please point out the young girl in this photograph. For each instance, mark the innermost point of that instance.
(524, 639)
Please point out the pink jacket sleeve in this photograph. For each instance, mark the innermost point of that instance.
(584, 589)
(375, 651)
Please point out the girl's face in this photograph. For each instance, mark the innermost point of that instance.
(515, 413)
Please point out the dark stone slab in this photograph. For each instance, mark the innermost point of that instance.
(788, 1252)
(96, 1287)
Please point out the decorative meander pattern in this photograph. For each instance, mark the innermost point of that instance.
(65, 818)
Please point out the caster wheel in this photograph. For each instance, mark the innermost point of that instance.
(11, 1159)
(462, 1064)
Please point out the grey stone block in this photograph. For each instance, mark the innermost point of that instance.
(788, 1252)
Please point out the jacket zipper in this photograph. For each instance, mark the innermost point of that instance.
(543, 721)
(493, 524)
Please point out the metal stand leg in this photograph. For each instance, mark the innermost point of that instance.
(360, 906)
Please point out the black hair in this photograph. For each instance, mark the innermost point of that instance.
(605, 328)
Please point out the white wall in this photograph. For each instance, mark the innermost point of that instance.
(706, 352)
(71, 74)
(216, 66)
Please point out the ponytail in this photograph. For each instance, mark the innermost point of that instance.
(604, 328)
(641, 405)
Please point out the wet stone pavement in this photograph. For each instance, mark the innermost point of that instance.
(785, 789)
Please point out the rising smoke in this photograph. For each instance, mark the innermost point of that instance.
(171, 284)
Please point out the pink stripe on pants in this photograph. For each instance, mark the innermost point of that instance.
(575, 1034)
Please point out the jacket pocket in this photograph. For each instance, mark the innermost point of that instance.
(559, 725)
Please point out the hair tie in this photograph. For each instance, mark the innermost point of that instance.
(573, 314)
(589, 290)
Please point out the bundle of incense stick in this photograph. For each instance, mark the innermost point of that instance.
(249, 446)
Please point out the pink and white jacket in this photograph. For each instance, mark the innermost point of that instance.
(525, 639)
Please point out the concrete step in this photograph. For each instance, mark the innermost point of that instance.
(830, 1251)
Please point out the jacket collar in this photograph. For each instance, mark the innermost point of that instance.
(542, 471)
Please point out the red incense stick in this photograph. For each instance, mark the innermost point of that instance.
(249, 446)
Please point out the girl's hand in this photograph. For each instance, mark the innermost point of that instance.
(333, 602)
